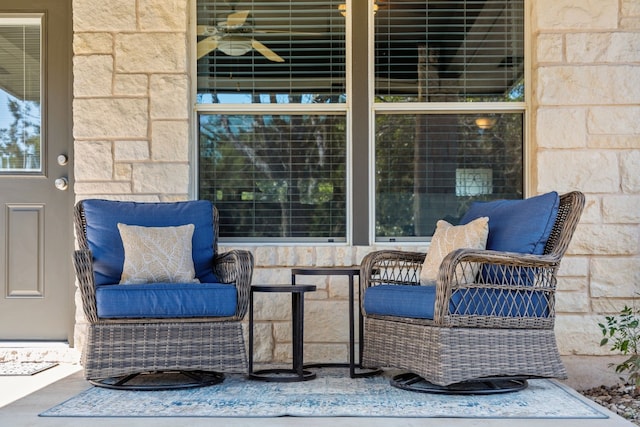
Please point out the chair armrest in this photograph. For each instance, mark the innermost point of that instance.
(390, 267)
(83, 265)
(496, 273)
(236, 266)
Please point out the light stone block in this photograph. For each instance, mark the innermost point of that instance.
(574, 266)
(614, 141)
(588, 84)
(104, 16)
(163, 15)
(572, 14)
(170, 140)
(621, 119)
(630, 8)
(630, 24)
(131, 150)
(265, 256)
(93, 161)
(621, 209)
(325, 256)
(169, 95)
(561, 128)
(103, 190)
(130, 85)
(550, 48)
(326, 353)
(567, 170)
(326, 321)
(263, 342)
(615, 277)
(609, 306)
(603, 47)
(122, 172)
(92, 43)
(605, 240)
(274, 306)
(573, 284)
(572, 302)
(151, 53)
(112, 118)
(579, 334)
(630, 168)
(93, 75)
(161, 178)
(592, 213)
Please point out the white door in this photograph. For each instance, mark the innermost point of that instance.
(36, 200)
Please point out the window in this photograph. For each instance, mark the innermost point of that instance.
(449, 110)
(271, 102)
(20, 81)
(279, 134)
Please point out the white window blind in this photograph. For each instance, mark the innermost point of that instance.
(20, 94)
(448, 50)
(270, 51)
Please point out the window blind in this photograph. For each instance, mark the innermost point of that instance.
(20, 94)
(270, 51)
(432, 166)
(275, 176)
(449, 50)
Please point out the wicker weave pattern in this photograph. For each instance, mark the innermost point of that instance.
(116, 347)
(457, 346)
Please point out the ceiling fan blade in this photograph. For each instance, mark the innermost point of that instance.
(207, 45)
(265, 51)
(206, 30)
(237, 19)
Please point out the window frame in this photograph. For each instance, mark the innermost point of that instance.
(360, 150)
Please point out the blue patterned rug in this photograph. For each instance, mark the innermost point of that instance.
(332, 394)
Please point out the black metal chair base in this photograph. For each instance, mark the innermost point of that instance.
(354, 371)
(413, 382)
(152, 381)
(281, 375)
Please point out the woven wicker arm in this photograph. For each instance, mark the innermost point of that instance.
(236, 266)
(83, 264)
(531, 277)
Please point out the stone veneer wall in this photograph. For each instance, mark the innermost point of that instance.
(132, 141)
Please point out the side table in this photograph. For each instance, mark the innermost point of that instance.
(297, 373)
(350, 272)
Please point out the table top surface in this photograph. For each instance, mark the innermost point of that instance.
(338, 271)
(283, 288)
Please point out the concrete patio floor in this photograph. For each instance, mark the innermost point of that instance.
(22, 398)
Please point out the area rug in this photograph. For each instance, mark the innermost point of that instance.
(14, 368)
(332, 394)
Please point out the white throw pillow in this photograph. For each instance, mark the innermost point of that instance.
(448, 238)
(157, 254)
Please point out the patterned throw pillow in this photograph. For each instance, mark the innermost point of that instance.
(446, 239)
(157, 254)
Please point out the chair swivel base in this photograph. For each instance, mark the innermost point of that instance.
(282, 375)
(413, 382)
(162, 380)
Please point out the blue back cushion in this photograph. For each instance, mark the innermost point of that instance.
(518, 225)
(103, 237)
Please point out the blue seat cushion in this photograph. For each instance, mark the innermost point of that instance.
(166, 300)
(103, 236)
(400, 301)
(518, 225)
(418, 302)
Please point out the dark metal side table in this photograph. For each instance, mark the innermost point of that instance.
(297, 373)
(350, 272)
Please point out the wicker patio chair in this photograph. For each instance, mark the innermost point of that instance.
(202, 341)
(499, 327)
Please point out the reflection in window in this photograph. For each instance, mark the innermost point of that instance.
(20, 80)
(275, 176)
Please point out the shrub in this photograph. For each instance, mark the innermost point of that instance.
(623, 332)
